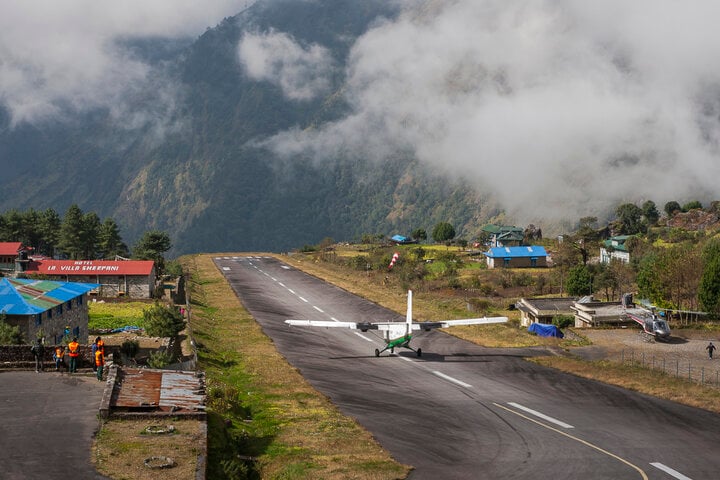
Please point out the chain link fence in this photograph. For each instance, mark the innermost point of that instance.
(689, 369)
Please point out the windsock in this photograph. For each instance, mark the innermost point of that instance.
(394, 259)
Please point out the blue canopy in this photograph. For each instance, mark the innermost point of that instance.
(544, 330)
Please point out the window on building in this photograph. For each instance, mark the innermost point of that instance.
(59, 310)
(38, 319)
(49, 313)
(533, 262)
(76, 332)
(69, 304)
(506, 262)
(79, 300)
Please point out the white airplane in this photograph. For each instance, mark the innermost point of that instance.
(397, 334)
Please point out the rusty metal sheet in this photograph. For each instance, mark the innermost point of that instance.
(158, 390)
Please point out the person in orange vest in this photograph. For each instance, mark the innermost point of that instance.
(99, 362)
(58, 356)
(74, 353)
(98, 344)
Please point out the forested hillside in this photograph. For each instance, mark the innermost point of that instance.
(189, 159)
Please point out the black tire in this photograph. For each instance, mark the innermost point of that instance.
(377, 352)
(419, 352)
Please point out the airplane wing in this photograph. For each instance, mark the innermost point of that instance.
(453, 323)
(364, 326)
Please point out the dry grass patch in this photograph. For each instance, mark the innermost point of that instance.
(121, 447)
(650, 382)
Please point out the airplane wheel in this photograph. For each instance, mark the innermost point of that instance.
(419, 352)
(377, 352)
(392, 350)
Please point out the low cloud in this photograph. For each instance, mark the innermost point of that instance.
(68, 56)
(560, 108)
(302, 72)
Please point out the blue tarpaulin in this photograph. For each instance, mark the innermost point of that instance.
(545, 330)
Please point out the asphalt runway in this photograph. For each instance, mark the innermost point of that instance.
(462, 411)
(47, 424)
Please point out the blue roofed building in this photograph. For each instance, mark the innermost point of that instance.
(529, 256)
(46, 308)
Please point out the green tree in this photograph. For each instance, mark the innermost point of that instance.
(692, 206)
(12, 226)
(162, 321)
(152, 246)
(649, 282)
(672, 207)
(564, 258)
(90, 234)
(605, 281)
(629, 219)
(443, 232)
(419, 234)
(650, 212)
(579, 281)
(110, 242)
(586, 238)
(70, 240)
(709, 289)
(50, 224)
(10, 334)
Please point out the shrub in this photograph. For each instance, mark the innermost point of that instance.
(162, 321)
(160, 359)
(10, 334)
(563, 321)
(130, 348)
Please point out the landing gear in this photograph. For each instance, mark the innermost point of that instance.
(419, 352)
(377, 352)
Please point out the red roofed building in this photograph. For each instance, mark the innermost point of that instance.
(131, 278)
(10, 254)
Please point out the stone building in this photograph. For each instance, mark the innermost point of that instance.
(115, 278)
(45, 308)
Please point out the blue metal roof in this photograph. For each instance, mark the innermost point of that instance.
(19, 296)
(516, 252)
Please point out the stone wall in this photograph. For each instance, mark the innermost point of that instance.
(20, 356)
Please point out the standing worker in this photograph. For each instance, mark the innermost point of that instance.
(74, 352)
(58, 357)
(38, 351)
(98, 344)
(99, 362)
(710, 348)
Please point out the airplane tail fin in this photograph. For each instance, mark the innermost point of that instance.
(408, 316)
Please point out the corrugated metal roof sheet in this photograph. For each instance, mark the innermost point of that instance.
(158, 390)
(91, 267)
(510, 252)
(19, 296)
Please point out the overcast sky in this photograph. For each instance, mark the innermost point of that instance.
(561, 107)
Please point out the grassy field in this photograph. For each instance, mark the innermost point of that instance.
(116, 315)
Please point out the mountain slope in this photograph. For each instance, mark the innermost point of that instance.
(197, 170)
